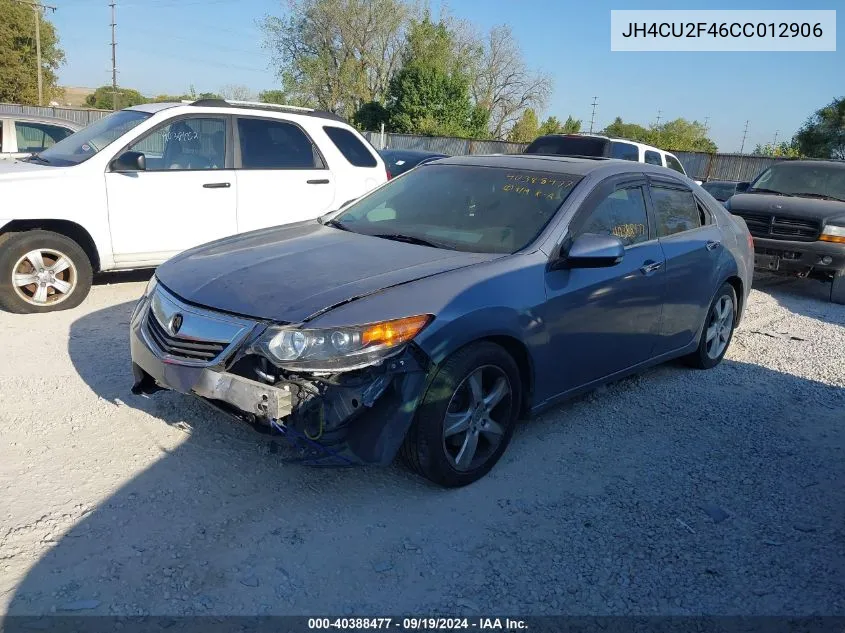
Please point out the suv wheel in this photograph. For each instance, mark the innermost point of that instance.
(837, 287)
(467, 417)
(42, 271)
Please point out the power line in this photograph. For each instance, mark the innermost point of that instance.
(38, 8)
(593, 117)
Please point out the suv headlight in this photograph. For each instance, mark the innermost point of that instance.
(338, 349)
(833, 234)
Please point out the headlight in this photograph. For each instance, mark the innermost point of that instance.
(339, 349)
(151, 286)
(833, 234)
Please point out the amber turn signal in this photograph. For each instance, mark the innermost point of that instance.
(390, 333)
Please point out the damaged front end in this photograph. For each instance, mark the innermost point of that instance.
(354, 416)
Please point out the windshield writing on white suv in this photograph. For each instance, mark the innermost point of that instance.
(466, 208)
(802, 179)
(81, 146)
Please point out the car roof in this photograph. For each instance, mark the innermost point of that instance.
(608, 138)
(580, 166)
(239, 107)
(42, 119)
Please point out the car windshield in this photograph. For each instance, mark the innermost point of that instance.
(466, 208)
(803, 179)
(720, 190)
(399, 162)
(84, 144)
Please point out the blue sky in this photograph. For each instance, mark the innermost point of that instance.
(167, 45)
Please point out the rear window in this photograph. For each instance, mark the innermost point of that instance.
(459, 207)
(672, 163)
(653, 158)
(624, 151)
(569, 146)
(351, 147)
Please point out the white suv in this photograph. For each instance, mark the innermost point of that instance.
(147, 182)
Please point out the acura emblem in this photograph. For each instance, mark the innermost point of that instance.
(175, 324)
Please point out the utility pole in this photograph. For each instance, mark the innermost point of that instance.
(706, 125)
(113, 59)
(744, 135)
(35, 4)
(659, 112)
(775, 142)
(593, 117)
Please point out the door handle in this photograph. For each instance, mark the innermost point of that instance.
(650, 267)
(712, 245)
(320, 181)
(217, 185)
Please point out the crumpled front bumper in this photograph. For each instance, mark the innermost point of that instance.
(359, 419)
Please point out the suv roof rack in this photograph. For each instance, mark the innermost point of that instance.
(257, 105)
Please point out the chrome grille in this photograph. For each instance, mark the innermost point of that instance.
(781, 227)
(183, 348)
(190, 335)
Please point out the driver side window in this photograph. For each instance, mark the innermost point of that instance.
(621, 213)
(185, 144)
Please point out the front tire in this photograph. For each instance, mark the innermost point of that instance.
(718, 330)
(837, 287)
(467, 416)
(42, 271)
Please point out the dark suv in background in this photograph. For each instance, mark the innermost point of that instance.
(796, 212)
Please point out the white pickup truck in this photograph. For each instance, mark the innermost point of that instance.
(150, 181)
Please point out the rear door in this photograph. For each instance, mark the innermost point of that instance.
(691, 242)
(282, 176)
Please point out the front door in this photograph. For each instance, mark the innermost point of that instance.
(185, 197)
(282, 177)
(605, 320)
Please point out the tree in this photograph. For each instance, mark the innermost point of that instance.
(527, 128)
(18, 59)
(502, 83)
(679, 135)
(630, 131)
(103, 98)
(431, 94)
(236, 92)
(279, 97)
(338, 54)
(552, 125)
(370, 116)
(823, 134)
(784, 149)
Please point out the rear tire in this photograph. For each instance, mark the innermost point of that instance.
(57, 269)
(466, 418)
(837, 287)
(718, 330)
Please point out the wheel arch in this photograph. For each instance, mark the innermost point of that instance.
(69, 229)
(737, 285)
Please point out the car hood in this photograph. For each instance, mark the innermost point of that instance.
(290, 273)
(11, 169)
(791, 206)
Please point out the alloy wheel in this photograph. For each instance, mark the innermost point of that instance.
(476, 418)
(44, 277)
(719, 327)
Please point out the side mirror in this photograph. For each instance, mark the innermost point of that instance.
(129, 161)
(742, 186)
(592, 250)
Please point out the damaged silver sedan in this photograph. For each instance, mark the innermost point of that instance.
(425, 318)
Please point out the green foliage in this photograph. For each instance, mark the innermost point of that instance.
(823, 134)
(430, 95)
(370, 116)
(102, 98)
(18, 59)
(784, 149)
(552, 125)
(678, 135)
(279, 97)
(527, 128)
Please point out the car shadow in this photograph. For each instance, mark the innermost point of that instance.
(218, 526)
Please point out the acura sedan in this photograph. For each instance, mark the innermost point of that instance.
(428, 316)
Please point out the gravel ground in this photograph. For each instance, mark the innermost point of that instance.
(674, 492)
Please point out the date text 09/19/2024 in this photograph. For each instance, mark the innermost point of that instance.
(416, 624)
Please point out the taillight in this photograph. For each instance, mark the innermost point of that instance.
(750, 242)
(389, 175)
